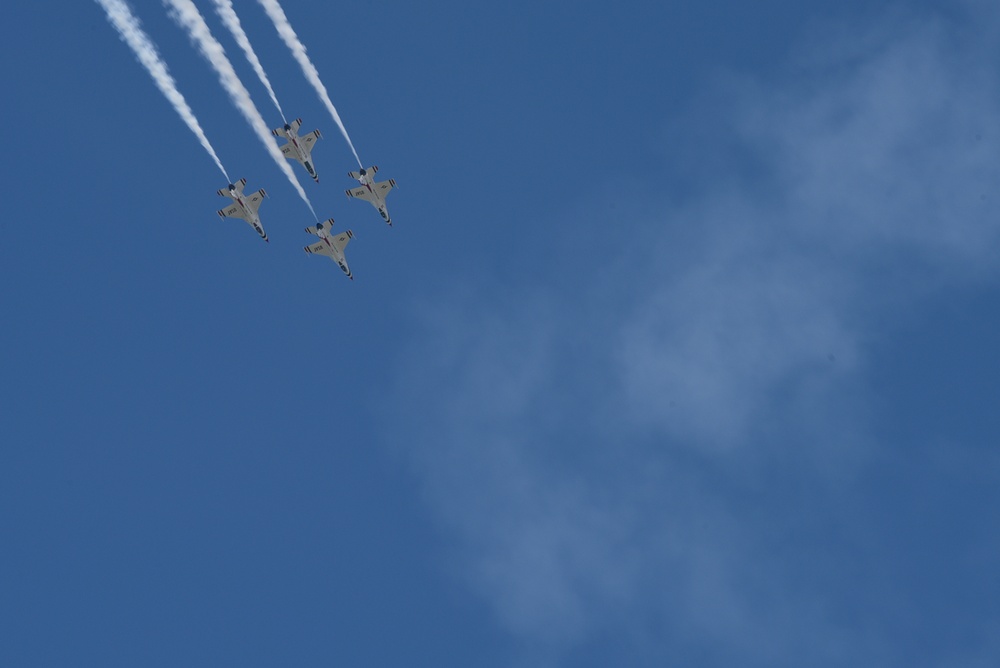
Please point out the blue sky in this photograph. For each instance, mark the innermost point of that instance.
(681, 350)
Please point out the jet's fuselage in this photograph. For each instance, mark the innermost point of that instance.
(251, 216)
(300, 155)
(367, 183)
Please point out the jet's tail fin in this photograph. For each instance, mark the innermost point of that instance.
(326, 224)
(237, 187)
(367, 172)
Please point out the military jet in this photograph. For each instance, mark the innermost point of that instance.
(329, 245)
(372, 192)
(244, 206)
(298, 148)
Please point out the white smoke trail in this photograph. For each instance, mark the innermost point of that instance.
(125, 22)
(298, 50)
(188, 17)
(224, 8)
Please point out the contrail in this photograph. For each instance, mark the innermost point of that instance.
(224, 8)
(298, 50)
(124, 21)
(188, 17)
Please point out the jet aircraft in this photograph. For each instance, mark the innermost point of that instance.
(299, 148)
(372, 192)
(244, 206)
(329, 245)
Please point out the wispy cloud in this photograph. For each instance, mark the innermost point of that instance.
(689, 479)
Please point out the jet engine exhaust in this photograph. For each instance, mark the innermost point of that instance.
(187, 16)
(122, 18)
(291, 39)
(224, 8)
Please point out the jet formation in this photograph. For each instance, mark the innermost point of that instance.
(299, 148)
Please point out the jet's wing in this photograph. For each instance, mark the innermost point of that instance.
(383, 187)
(289, 151)
(253, 201)
(319, 248)
(341, 240)
(232, 212)
(338, 242)
(309, 140)
(361, 193)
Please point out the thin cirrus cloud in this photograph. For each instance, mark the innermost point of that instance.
(683, 476)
